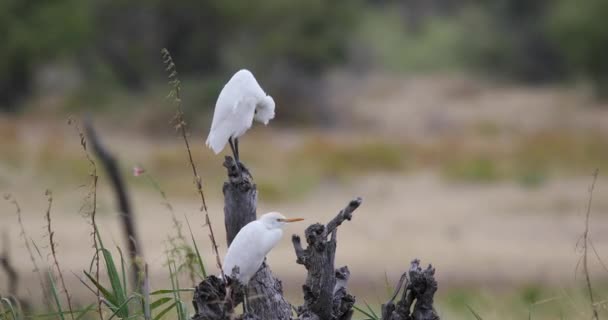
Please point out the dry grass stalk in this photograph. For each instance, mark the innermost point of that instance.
(124, 206)
(53, 247)
(586, 245)
(23, 234)
(180, 124)
(92, 198)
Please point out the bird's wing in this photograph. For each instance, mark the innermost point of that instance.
(244, 251)
(221, 128)
(234, 109)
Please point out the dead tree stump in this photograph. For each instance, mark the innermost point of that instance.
(421, 288)
(325, 290)
(325, 295)
(240, 204)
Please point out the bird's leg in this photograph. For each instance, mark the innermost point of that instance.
(234, 144)
(231, 142)
(246, 300)
(236, 148)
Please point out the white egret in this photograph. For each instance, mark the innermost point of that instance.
(251, 245)
(241, 101)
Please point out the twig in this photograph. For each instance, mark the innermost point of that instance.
(53, 246)
(398, 287)
(180, 124)
(92, 195)
(586, 244)
(345, 214)
(126, 214)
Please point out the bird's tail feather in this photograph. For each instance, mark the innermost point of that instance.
(215, 144)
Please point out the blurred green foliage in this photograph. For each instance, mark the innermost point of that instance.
(580, 30)
(32, 33)
(115, 44)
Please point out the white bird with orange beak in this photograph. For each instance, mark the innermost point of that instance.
(251, 245)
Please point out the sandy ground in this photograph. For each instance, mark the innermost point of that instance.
(475, 235)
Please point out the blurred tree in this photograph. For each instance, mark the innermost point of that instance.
(127, 38)
(288, 44)
(278, 39)
(32, 33)
(580, 30)
(510, 40)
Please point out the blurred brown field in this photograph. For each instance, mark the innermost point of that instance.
(487, 182)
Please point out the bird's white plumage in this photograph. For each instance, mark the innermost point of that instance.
(240, 102)
(252, 244)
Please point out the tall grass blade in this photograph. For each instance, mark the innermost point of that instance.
(118, 290)
(122, 307)
(166, 291)
(475, 314)
(10, 310)
(367, 314)
(109, 296)
(85, 311)
(122, 267)
(81, 312)
(55, 295)
(159, 302)
(184, 308)
(371, 310)
(165, 311)
(175, 287)
(198, 254)
(146, 295)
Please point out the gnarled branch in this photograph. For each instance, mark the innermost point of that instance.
(325, 295)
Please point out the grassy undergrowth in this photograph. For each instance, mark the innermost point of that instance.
(540, 302)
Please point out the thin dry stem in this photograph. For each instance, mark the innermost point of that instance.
(586, 245)
(185, 258)
(92, 196)
(53, 247)
(180, 124)
(23, 234)
(124, 206)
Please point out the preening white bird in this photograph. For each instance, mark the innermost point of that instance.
(241, 101)
(252, 243)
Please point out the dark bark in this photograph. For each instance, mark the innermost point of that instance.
(325, 291)
(240, 203)
(420, 288)
(324, 296)
(240, 199)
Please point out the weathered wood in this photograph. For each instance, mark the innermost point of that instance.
(210, 300)
(421, 288)
(324, 297)
(240, 198)
(240, 203)
(325, 291)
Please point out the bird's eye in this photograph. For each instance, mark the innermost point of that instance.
(256, 111)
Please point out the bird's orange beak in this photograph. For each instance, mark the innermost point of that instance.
(293, 220)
